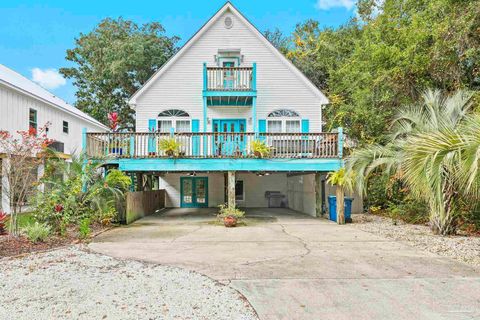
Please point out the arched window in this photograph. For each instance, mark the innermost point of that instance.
(177, 119)
(283, 120)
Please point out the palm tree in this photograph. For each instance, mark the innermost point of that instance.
(424, 152)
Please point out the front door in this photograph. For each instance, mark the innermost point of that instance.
(232, 142)
(228, 75)
(194, 192)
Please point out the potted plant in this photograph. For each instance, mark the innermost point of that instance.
(3, 221)
(230, 215)
(170, 146)
(260, 149)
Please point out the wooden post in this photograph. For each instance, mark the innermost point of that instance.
(340, 193)
(231, 189)
(318, 195)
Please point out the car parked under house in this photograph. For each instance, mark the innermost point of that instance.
(226, 88)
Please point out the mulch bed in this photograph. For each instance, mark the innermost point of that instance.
(14, 246)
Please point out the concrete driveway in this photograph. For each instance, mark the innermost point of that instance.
(291, 266)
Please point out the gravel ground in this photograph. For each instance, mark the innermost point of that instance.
(461, 248)
(70, 283)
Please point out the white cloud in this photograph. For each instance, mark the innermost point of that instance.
(48, 78)
(329, 4)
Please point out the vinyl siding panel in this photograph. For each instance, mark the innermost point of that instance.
(181, 85)
(14, 116)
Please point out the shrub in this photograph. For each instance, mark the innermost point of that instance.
(170, 146)
(260, 149)
(3, 221)
(84, 228)
(37, 232)
(226, 211)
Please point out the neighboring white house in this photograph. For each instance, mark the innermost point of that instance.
(227, 87)
(24, 104)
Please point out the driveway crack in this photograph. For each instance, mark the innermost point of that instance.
(302, 255)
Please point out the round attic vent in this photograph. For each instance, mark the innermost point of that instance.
(228, 22)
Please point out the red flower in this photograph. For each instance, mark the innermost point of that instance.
(113, 119)
(58, 208)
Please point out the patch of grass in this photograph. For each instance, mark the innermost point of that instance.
(24, 219)
(245, 222)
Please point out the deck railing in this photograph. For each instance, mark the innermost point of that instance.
(213, 145)
(229, 79)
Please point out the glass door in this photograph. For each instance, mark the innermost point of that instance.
(193, 192)
(228, 75)
(229, 144)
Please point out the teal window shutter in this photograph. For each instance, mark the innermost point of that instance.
(152, 127)
(196, 139)
(262, 128)
(305, 126)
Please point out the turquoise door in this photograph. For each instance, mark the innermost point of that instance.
(229, 144)
(193, 192)
(228, 75)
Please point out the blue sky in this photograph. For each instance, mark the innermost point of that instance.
(34, 35)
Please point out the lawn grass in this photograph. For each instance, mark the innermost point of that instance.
(24, 219)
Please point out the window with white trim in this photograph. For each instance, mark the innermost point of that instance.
(283, 120)
(177, 119)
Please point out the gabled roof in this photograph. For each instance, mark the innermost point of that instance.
(228, 6)
(16, 81)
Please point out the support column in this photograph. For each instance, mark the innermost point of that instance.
(340, 193)
(231, 189)
(318, 195)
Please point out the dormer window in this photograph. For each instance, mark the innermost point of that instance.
(177, 119)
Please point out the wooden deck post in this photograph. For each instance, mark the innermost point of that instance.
(231, 189)
(318, 195)
(340, 193)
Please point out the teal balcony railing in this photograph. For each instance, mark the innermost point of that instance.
(213, 145)
(235, 79)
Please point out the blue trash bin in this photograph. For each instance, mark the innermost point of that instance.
(332, 205)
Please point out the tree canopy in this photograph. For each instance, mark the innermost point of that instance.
(112, 62)
(386, 56)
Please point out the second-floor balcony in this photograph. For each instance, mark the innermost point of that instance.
(213, 145)
(229, 85)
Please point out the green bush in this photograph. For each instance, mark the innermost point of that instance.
(84, 228)
(226, 211)
(67, 203)
(410, 211)
(37, 232)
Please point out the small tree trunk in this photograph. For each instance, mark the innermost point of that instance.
(340, 193)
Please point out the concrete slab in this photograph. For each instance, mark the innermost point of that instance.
(292, 266)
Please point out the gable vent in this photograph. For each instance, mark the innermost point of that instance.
(228, 22)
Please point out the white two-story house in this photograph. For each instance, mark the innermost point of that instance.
(24, 105)
(227, 88)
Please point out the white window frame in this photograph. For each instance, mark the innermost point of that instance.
(284, 120)
(174, 121)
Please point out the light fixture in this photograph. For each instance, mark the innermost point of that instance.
(192, 174)
(209, 120)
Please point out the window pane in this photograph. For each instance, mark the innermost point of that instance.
(274, 126)
(32, 118)
(164, 125)
(183, 126)
(239, 190)
(292, 126)
(65, 126)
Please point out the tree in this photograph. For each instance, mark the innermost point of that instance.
(112, 62)
(278, 40)
(23, 156)
(385, 58)
(423, 151)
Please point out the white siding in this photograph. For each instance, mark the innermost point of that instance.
(14, 116)
(181, 85)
